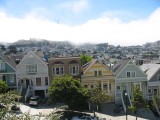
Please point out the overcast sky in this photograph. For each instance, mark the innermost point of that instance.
(118, 22)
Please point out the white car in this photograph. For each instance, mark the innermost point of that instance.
(84, 118)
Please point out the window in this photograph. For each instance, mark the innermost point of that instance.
(158, 77)
(131, 74)
(92, 86)
(155, 91)
(46, 90)
(98, 73)
(118, 88)
(86, 86)
(105, 87)
(74, 70)
(31, 68)
(2, 65)
(95, 73)
(58, 70)
(128, 74)
(149, 91)
(46, 81)
(38, 81)
(22, 81)
(110, 86)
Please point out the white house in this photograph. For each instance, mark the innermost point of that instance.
(32, 75)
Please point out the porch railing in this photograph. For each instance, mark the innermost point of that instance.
(27, 93)
(156, 106)
(129, 100)
(19, 88)
(124, 106)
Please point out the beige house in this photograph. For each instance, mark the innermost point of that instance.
(32, 75)
(97, 74)
(64, 66)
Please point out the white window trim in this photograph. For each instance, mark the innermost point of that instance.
(118, 86)
(150, 90)
(130, 74)
(55, 74)
(98, 73)
(71, 69)
(4, 67)
(31, 71)
(158, 77)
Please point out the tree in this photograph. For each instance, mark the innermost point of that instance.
(85, 59)
(6, 101)
(138, 100)
(3, 87)
(69, 91)
(3, 48)
(12, 49)
(97, 97)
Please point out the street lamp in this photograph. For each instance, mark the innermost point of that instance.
(126, 103)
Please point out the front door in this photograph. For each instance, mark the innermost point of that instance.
(27, 83)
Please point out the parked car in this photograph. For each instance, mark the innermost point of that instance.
(35, 101)
(86, 117)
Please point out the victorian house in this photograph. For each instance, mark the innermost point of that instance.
(128, 75)
(8, 71)
(96, 74)
(64, 66)
(32, 75)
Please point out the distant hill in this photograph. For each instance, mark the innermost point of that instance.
(40, 42)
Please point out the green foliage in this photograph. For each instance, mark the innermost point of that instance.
(7, 100)
(157, 99)
(69, 91)
(138, 100)
(12, 49)
(85, 59)
(97, 96)
(2, 47)
(3, 87)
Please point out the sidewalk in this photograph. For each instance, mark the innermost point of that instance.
(118, 117)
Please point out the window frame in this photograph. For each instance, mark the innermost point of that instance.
(61, 70)
(38, 78)
(76, 68)
(46, 81)
(2, 65)
(31, 68)
(130, 74)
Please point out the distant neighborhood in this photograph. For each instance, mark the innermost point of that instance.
(31, 66)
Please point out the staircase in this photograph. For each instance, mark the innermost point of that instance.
(126, 102)
(24, 90)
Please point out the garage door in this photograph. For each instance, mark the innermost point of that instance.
(40, 93)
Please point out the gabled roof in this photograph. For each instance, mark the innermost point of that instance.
(150, 69)
(119, 66)
(89, 64)
(9, 60)
(33, 53)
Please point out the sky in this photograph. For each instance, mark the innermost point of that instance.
(117, 22)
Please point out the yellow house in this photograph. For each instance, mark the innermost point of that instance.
(97, 74)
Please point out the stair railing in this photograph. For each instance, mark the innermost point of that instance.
(156, 106)
(124, 106)
(27, 93)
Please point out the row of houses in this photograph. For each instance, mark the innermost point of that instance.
(33, 75)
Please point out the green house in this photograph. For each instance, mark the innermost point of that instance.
(8, 71)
